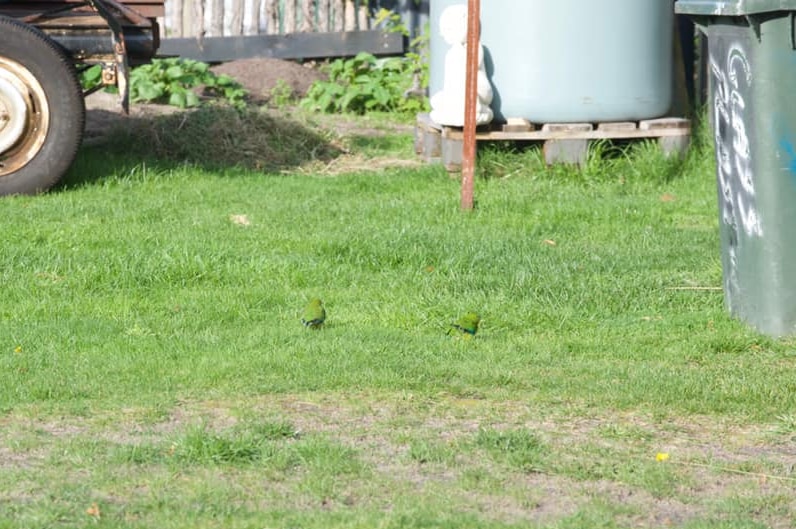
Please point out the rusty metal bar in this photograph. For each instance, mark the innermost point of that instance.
(470, 97)
(120, 49)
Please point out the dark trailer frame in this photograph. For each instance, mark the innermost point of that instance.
(44, 45)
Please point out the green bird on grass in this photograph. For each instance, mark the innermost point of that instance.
(466, 326)
(314, 314)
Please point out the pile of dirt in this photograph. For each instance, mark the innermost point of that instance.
(262, 138)
(260, 76)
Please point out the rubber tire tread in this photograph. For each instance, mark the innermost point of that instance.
(56, 74)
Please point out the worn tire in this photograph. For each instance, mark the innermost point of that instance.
(42, 112)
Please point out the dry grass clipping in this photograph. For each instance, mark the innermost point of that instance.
(219, 137)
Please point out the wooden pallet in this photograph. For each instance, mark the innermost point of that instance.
(563, 142)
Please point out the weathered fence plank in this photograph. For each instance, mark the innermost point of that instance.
(216, 28)
(338, 20)
(235, 25)
(198, 18)
(272, 16)
(323, 15)
(350, 16)
(363, 16)
(176, 28)
(289, 21)
(307, 16)
(253, 27)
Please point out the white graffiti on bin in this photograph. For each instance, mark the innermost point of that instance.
(732, 79)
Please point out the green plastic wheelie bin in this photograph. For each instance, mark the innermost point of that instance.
(752, 81)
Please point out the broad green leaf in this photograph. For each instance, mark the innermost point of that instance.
(178, 99)
(175, 72)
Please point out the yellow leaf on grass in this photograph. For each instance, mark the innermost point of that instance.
(241, 220)
(661, 456)
(94, 510)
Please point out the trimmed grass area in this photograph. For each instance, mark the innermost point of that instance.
(154, 372)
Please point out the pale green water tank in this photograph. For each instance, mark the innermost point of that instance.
(571, 60)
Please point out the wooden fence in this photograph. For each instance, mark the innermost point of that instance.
(216, 18)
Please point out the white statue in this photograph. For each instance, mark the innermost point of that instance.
(447, 105)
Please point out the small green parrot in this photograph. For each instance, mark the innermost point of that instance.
(467, 325)
(314, 314)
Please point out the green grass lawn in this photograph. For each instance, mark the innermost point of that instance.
(154, 372)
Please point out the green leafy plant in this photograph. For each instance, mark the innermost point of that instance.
(391, 21)
(91, 77)
(281, 94)
(364, 83)
(417, 56)
(174, 81)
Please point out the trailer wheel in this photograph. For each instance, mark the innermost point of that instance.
(42, 113)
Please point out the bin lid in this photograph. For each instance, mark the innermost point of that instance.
(732, 7)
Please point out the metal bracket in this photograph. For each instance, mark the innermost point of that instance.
(119, 50)
(109, 77)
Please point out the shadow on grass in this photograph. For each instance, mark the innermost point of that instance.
(379, 143)
(211, 138)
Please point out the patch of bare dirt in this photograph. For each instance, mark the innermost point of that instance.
(374, 428)
(716, 461)
(261, 75)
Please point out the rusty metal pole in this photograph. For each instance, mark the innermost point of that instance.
(470, 98)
